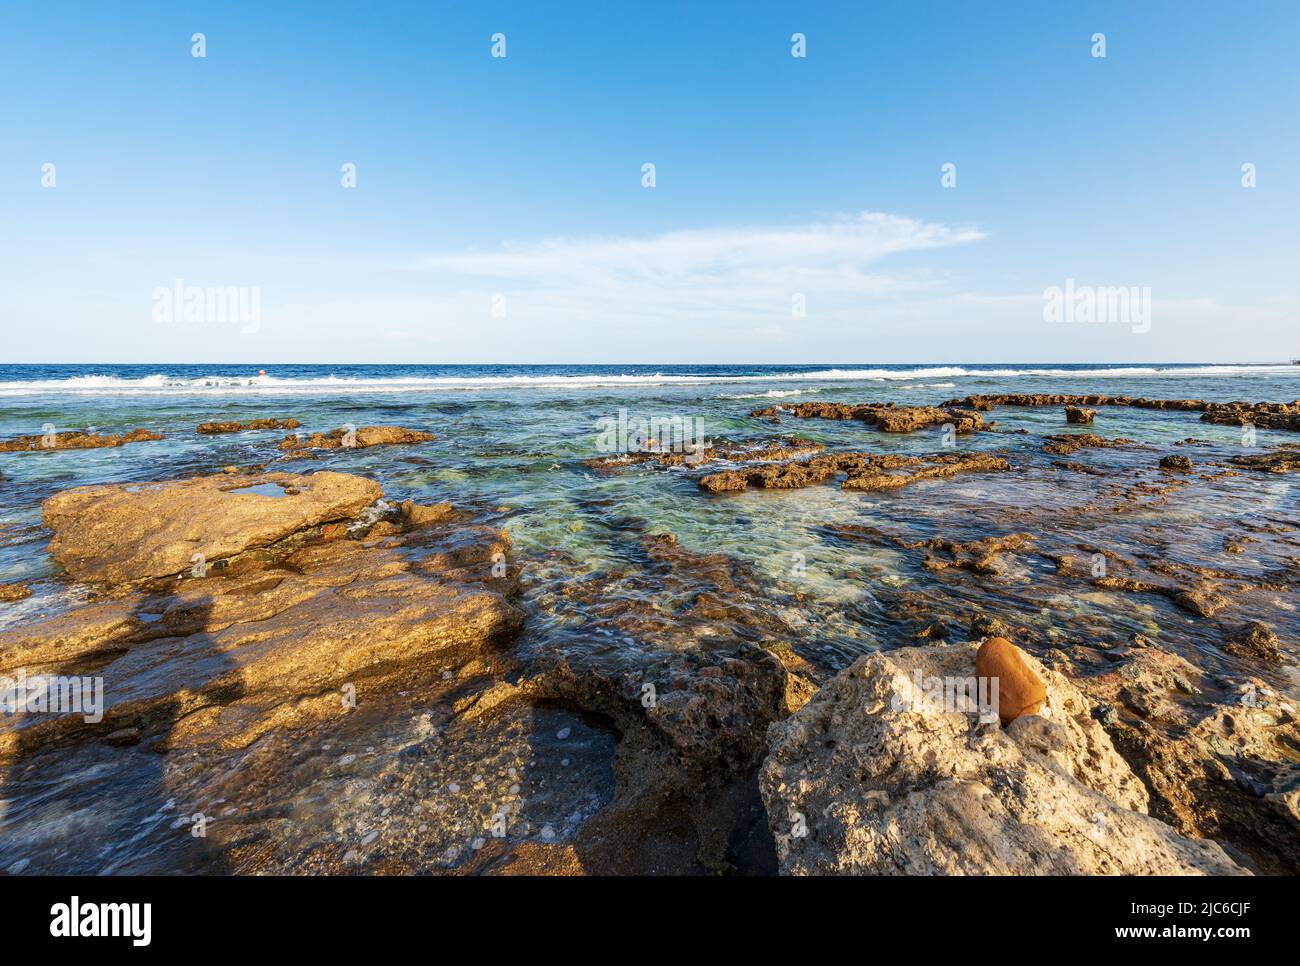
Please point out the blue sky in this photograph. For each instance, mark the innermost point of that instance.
(520, 178)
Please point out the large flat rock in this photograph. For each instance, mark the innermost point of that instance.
(134, 531)
(224, 658)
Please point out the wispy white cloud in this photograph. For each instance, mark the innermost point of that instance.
(735, 274)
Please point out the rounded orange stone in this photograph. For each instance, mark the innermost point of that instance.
(1019, 689)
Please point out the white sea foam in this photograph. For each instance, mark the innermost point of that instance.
(770, 394)
(228, 384)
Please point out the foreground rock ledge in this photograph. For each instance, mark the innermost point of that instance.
(268, 640)
(887, 785)
(136, 531)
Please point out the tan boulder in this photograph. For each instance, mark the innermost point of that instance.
(874, 776)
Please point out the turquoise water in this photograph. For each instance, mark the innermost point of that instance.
(512, 443)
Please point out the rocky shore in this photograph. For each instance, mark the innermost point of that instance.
(304, 674)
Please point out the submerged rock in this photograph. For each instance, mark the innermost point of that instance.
(870, 778)
(1064, 444)
(75, 440)
(1179, 463)
(134, 531)
(1257, 641)
(1281, 461)
(982, 556)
